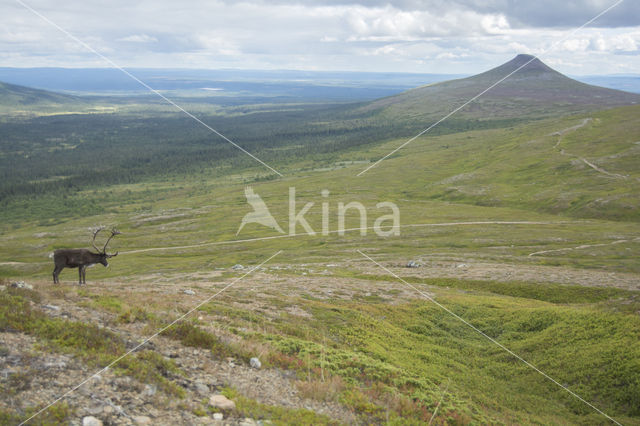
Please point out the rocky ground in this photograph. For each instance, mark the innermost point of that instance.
(37, 377)
(120, 400)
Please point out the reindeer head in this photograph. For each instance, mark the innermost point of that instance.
(103, 253)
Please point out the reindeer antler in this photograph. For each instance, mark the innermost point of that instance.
(95, 233)
(114, 232)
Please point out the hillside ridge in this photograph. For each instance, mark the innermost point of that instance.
(12, 94)
(535, 90)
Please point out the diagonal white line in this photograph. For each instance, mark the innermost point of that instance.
(490, 87)
(491, 339)
(439, 402)
(112, 363)
(118, 67)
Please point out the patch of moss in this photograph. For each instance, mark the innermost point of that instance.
(96, 346)
(247, 407)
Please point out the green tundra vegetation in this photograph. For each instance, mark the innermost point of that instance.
(551, 188)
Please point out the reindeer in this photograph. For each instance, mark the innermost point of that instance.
(82, 258)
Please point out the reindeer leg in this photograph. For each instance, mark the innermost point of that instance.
(80, 270)
(56, 272)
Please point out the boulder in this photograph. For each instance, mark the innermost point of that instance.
(91, 421)
(51, 307)
(202, 389)
(255, 363)
(141, 420)
(222, 402)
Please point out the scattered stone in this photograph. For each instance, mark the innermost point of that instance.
(248, 422)
(141, 420)
(218, 416)
(462, 265)
(3, 287)
(189, 292)
(202, 389)
(149, 390)
(91, 421)
(222, 402)
(21, 284)
(255, 363)
(52, 307)
(55, 364)
(95, 410)
(413, 264)
(237, 267)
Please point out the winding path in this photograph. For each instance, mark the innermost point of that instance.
(584, 160)
(415, 225)
(584, 246)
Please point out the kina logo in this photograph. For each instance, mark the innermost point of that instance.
(260, 213)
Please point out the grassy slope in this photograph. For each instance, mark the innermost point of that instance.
(512, 175)
(523, 167)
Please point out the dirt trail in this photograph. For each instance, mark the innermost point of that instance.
(584, 246)
(484, 270)
(410, 225)
(584, 160)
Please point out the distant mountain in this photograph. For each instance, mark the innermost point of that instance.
(13, 97)
(535, 90)
(280, 85)
(11, 93)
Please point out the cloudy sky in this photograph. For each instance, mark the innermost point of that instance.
(431, 36)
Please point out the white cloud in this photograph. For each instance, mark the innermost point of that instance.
(452, 55)
(495, 24)
(389, 23)
(138, 38)
(9, 36)
(598, 43)
(576, 44)
(461, 36)
(612, 43)
(626, 42)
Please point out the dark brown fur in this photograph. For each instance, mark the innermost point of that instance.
(76, 258)
(82, 258)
